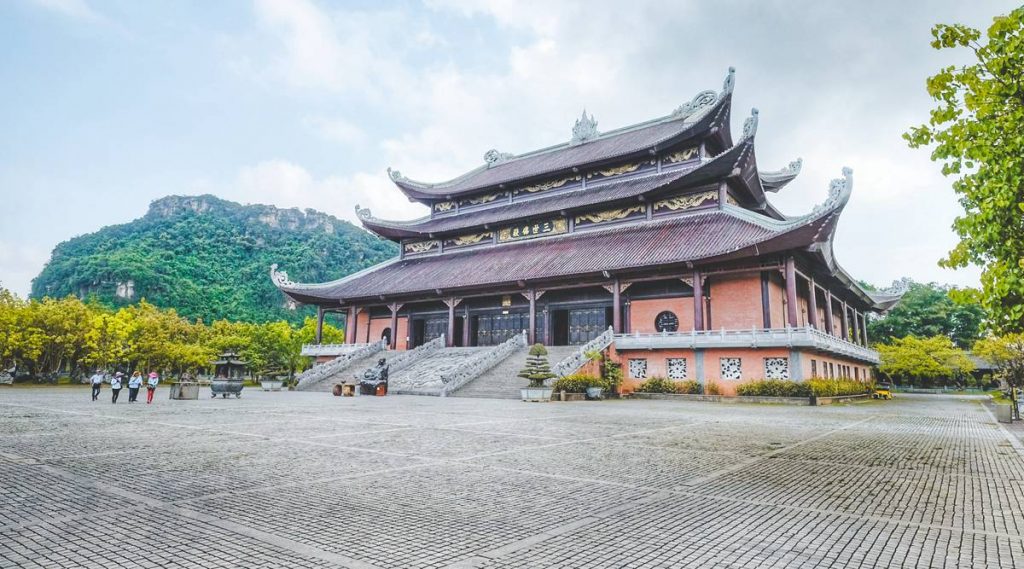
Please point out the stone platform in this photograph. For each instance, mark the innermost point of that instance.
(288, 479)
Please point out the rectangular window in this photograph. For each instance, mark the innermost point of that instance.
(814, 368)
(776, 368)
(731, 368)
(676, 368)
(638, 369)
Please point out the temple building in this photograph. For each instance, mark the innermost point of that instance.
(656, 240)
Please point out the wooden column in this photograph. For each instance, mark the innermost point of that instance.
(532, 332)
(617, 306)
(319, 325)
(698, 301)
(812, 305)
(864, 329)
(465, 327)
(829, 317)
(845, 320)
(350, 326)
(766, 301)
(452, 303)
(791, 312)
(856, 327)
(394, 307)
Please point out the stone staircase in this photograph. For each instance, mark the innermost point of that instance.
(423, 377)
(347, 373)
(501, 381)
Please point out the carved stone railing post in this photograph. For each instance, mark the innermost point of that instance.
(579, 357)
(475, 367)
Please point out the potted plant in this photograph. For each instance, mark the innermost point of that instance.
(537, 371)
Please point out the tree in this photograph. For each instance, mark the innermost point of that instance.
(976, 132)
(537, 369)
(929, 310)
(1007, 354)
(916, 358)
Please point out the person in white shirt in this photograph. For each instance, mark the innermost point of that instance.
(134, 383)
(97, 383)
(151, 384)
(115, 386)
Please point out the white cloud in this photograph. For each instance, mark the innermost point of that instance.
(336, 129)
(77, 9)
(19, 264)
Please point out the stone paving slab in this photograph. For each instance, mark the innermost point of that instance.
(311, 480)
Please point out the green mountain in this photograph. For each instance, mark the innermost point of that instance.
(209, 258)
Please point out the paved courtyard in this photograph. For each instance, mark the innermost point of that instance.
(311, 480)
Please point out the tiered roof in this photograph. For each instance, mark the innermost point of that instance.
(685, 155)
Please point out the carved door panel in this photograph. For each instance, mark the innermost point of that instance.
(434, 328)
(585, 324)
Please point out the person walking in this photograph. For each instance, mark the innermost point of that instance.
(134, 383)
(151, 384)
(97, 384)
(115, 386)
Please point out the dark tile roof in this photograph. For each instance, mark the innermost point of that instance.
(591, 197)
(609, 146)
(697, 236)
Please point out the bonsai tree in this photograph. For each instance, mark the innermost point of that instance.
(537, 369)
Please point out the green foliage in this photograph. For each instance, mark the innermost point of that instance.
(577, 383)
(836, 387)
(689, 387)
(712, 388)
(209, 258)
(930, 310)
(975, 132)
(657, 385)
(612, 373)
(67, 336)
(773, 388)
(1007, 354)
(923, 358)
(537, 369)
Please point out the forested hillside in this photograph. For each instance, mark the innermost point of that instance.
(209, 258)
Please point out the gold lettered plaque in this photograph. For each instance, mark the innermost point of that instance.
(533, 229)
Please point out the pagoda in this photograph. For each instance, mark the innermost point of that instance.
(658, 236)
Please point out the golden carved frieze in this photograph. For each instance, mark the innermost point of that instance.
(441, 207)
(678, 203)
(609, 214)
(421, 246)
(618, 170)
(534, 229)
(544, 186)
(478, 200)
(473, 239)
(681, 156)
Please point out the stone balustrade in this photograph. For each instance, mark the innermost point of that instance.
(579, 357)
(320, 372)
(478, 365)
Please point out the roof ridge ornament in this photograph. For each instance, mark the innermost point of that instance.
(706, 98)
(750, 125)
(584, 129)
(838, 193)
(395, 175)
(899, 287)
(363, 213)
(493, 157)
(280, 278)
(774, 181)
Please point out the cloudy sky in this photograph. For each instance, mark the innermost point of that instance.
(108, 105)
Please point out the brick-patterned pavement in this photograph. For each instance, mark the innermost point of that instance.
(310, 480)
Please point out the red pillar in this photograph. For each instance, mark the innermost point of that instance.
(812, 310)
(350, 326)
(791, 312)
(531, 333)
(394, 307)
(829, 318)
(617, 306)
(698, 301)
(451, 325)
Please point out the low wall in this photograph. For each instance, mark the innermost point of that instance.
(810, 401)
(839, 399)
(676, 396)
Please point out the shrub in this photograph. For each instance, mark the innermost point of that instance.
(657, 385)
(576, 383)
(537, 369)
(711, 388)
(821, 387)
(773, 388)
(689, 387)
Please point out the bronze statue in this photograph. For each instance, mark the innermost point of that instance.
(377, 375)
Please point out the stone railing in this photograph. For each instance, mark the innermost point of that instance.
(476, 366)
(321, 372)
(330, 349)
(409, 357)
(806, 337)
(579, 357)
